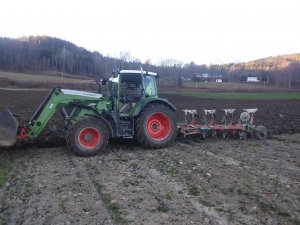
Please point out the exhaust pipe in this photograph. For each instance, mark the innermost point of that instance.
(8, 128)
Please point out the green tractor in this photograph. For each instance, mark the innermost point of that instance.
(130, 109)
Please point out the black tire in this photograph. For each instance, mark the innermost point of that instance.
(88, 137)
(242, 135)
(260, 132)
(156, 126)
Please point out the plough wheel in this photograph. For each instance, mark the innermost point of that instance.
(260, 132)
(156, 126)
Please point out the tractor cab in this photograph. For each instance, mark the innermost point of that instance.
(129, 87)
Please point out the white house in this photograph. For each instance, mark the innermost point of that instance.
(252, 79)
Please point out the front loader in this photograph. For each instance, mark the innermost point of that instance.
(130, 109)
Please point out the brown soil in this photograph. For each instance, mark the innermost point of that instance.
(192, 182)
(280, 117)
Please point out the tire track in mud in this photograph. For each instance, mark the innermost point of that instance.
(192, 182)
(211, 215)
(251, 169)
(15, 191)
(54, 192)
(144, 195)
(154, 186)
(263, 191)
(281, 156)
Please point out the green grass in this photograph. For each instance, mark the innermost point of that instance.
(6, 167)
(169, 168)
(196, 190)
(225, 85)
(43, 78)
(245, 96)
(111, 205)
(162, 209)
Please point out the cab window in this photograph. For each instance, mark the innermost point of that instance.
(150, 86)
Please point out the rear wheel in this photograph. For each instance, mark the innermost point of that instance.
(88, 137)
(260, 132)
(156, 126)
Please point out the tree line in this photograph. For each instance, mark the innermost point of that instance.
(35, 54)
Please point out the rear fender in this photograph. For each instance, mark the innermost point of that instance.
(141, 105)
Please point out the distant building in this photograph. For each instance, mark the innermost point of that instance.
(185, 78)
(206, 78)
(252, 79)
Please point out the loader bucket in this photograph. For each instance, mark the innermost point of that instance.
(8, 128)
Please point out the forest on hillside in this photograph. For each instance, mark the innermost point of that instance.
(36, 54)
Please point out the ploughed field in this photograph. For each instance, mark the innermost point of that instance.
(194, 181)
(280, 117)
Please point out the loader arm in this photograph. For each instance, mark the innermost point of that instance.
(57, 98)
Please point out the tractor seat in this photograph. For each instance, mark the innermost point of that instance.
(134, 93)
(130, 93)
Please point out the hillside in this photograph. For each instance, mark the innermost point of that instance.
(273, 62)
(42, 53)
(35, 54)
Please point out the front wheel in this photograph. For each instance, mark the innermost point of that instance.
(156, 126)
(88, 137)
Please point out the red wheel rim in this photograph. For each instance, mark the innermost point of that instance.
(89, 137)
(158, 126)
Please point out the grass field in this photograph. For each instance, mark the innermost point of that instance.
(226, 85)
(43, 78)
(244, 91)
(246, 96)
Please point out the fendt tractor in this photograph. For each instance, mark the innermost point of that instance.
(131, 109)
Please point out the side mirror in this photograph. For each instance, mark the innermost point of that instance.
(101, 82)
(104, 81)
(115, 71)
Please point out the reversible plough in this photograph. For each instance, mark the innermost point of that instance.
(242, 127)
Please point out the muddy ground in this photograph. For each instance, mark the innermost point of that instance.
(192, 182)
(280, 117)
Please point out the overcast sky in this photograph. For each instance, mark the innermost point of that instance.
(211, 31)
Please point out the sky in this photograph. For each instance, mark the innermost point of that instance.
(202, 31)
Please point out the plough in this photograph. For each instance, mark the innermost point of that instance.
(242, 127)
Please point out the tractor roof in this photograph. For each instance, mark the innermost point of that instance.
(137, 72)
